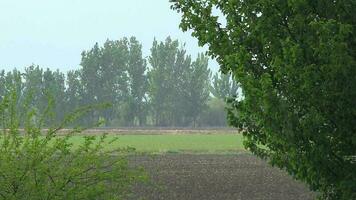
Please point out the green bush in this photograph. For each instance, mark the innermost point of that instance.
(42, 165)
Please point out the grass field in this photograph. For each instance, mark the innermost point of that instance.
(184, 143)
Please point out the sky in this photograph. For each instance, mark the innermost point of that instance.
(53, 33)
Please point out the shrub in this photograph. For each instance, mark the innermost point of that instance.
(37, 164)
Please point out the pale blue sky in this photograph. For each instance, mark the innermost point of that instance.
(53, 33)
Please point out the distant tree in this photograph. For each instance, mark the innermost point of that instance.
(33, 85)
(54, 87)
(179, 74)
(138, 84)
(162, 60)
(179, 88)
(296, 63)
(74, 93)
(215, 114)
(114, 77)
(196, 88)
(104, 76)
(173, 91)
(12, 79)
(223, 86)
(2, 84)
(91, 79)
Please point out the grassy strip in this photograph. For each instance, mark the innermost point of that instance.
(197, 143)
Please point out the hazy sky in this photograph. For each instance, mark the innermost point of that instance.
(53, 33)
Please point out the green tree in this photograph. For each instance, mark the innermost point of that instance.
(74, 92)
(223, 86)
(2, 84)
(14, 82)
(91, 79)
(10, 80)
(296, 63)
(138, 84)
(196, 88)
(215, 113)
(173, 80)
(33, 85)
(104, 76)
(114, 77)
(162, 60)
(54, 87)
(179, 76)
(179, 88)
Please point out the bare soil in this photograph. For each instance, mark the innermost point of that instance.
(219, 177)
(153, 131)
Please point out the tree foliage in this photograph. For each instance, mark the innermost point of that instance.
(42, 165)
(104, 76)
(224, 87)
(196, 86)
(162, 91)
(179, 88)
(296, 63)
(138, 85)
(215, 113)
(168, 88)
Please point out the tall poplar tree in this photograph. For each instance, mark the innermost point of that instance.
(54, 87)
(162, 59)
(138, 84)
(33, 86)
(196, 88)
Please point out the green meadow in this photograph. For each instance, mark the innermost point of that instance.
(182, 143)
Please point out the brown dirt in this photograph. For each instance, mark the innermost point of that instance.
(219, 177)
(153, 131)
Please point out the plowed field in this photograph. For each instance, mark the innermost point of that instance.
(219, 177)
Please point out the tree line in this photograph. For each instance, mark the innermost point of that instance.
(168, 88)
